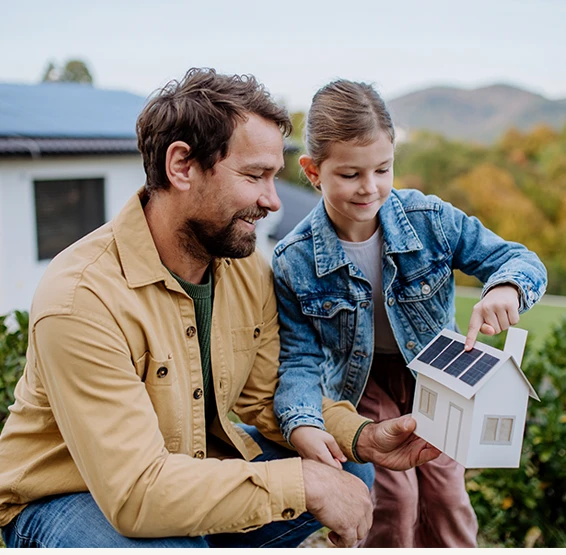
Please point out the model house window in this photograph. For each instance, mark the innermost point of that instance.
(65, 211)
(427, 403)
(497, 429)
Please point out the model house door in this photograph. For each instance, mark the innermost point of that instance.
(453, 427)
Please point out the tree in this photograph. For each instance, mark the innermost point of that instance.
(74, 71)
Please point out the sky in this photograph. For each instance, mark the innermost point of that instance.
(292, 46)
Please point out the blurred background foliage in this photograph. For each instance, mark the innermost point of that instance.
(516, 186)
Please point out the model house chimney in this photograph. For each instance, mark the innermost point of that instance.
(515, 343)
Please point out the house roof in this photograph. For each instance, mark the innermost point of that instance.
(468, 377)
(67, 110)
(18, 146)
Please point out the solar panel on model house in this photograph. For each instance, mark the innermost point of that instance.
(449, 355)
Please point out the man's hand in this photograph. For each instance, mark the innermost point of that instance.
(392, 444)
(317, 445)
(338, 500)
(496, 312)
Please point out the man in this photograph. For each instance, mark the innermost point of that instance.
(145, 334)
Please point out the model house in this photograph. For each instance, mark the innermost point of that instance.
(472, 405)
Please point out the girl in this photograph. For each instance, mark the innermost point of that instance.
(363, 283)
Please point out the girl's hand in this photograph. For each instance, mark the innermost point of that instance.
(317, 445)
(496, 312)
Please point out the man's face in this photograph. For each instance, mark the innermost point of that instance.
(227, 202)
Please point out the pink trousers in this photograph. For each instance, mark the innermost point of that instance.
(427, 506)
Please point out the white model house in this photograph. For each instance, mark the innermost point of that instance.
(472, 405)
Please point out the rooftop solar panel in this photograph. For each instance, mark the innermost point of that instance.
(448, 355)
(479, 369)
(432, 351)
(456, 367)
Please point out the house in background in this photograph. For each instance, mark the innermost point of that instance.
(68, 163)
(472, 405)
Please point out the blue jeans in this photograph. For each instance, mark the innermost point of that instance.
(76, 521)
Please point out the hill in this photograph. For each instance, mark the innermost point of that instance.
(481, 114)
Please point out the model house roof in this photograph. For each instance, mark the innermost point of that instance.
(466, 372)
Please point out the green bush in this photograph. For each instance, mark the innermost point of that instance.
(13, 345)
(526, 507)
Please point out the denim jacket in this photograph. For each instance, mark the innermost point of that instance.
(326, 308)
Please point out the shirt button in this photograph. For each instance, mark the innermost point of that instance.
(191, 331)
(197, 393)
(365, 304)
(199, 455)
(257, 331)
(410, 345)
(287, 514)
(162, 372)
(425, 289)
(327, 305)
(391, 301)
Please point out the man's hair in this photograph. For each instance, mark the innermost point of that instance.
(203, 110)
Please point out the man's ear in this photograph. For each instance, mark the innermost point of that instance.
(178, 165)
(311, 170)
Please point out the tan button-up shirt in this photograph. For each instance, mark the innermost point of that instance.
(110, 399)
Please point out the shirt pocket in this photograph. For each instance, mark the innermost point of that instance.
(334, 320)
(161, 383)
(245, 344)
(426, 301)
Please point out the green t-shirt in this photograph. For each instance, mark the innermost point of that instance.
(202, 295)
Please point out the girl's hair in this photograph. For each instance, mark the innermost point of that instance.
(345, 111)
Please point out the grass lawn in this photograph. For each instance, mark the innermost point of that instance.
(539, 321)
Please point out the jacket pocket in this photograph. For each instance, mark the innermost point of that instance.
(427, 301)
(161, 383)
(333, 318)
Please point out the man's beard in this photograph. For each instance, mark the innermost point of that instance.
(205, 241)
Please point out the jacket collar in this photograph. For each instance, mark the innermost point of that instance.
(398, 235)
(137, 251)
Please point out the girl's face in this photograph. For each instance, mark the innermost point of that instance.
(355, 181)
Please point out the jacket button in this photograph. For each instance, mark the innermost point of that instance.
(327, 305)
(199, 455)
(162, 372)
(365, 304)
(288, 513)
(191, 331)
(410, 345)
(425, 289)
(390, 301)
(197, 393)
(360, 354)
(257, 331)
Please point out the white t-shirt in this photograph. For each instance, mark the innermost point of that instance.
(366, 255)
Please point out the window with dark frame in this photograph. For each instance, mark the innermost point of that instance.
(65, 211)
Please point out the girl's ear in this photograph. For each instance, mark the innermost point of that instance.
(311, 170)
(178, 165)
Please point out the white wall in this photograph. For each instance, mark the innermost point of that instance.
(20, 270)
(505, 394)
(434, 431)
